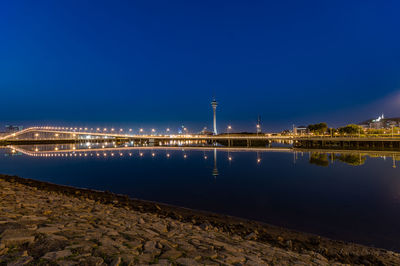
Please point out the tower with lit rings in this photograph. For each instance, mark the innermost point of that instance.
(214, 105)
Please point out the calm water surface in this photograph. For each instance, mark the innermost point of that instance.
(349, 196)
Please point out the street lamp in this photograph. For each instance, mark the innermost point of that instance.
(258, 128)
(153, 130)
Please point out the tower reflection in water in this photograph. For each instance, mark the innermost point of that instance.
(215, 170)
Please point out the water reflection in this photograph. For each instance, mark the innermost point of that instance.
(322, 158)
(215, 170)
(339, 194)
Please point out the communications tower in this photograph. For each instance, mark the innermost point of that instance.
(214, 105)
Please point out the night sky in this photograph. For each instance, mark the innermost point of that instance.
(159, 63)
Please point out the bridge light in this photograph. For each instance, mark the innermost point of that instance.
(130, 130)
(121, 130)
(112, 129)
(141, 130)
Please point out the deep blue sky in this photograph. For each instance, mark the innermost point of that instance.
(157, 63)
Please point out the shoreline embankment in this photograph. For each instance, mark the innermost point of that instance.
(44, 223)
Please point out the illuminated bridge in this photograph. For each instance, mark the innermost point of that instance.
(63, 134)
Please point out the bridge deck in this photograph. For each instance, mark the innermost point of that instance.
(68, 135)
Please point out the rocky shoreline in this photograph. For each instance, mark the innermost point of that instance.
(47, 224)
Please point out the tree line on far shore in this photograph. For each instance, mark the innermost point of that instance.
(351, 129)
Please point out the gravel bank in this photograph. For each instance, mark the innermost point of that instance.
(47, 224)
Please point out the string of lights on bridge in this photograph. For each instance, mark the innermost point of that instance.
(100, 129)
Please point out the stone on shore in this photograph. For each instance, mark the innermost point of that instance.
(16, 236)
(57, 254)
